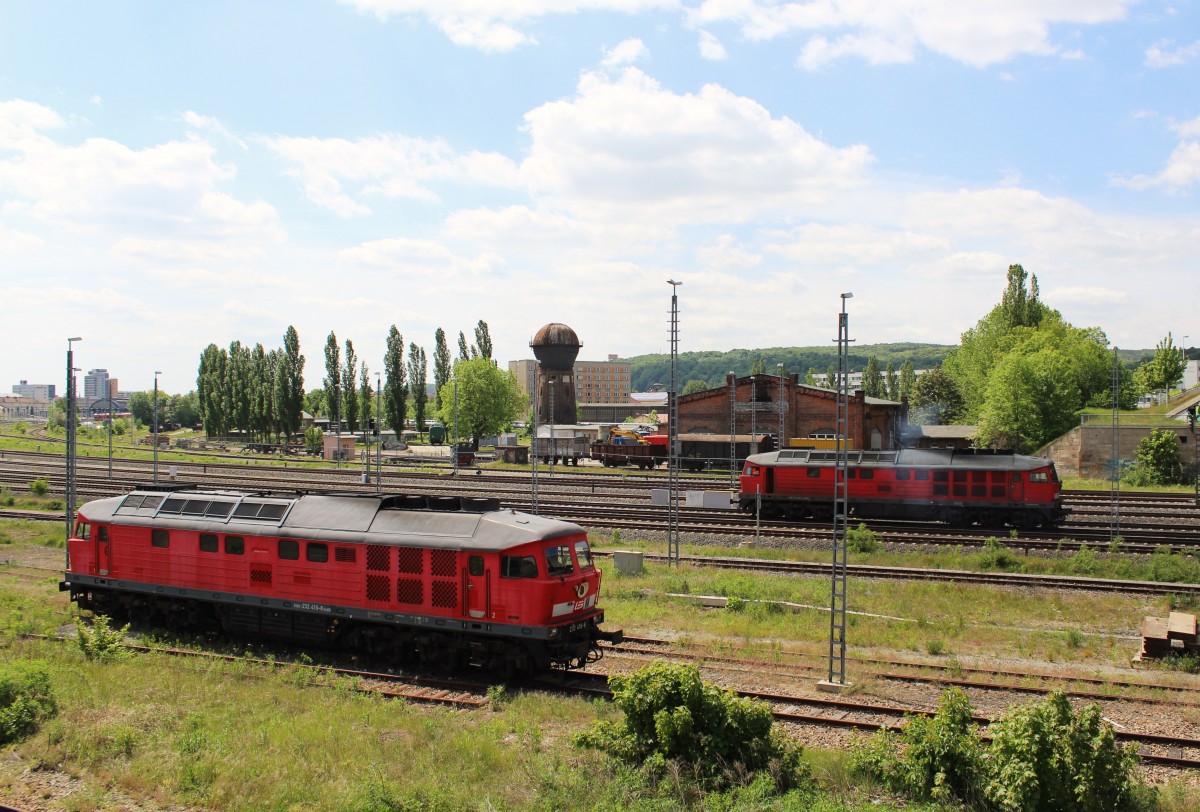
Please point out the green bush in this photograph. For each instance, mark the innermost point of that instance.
(26, 698)
(932, 758)
(861, 539)
(1084, 562)
(1042, 757)
(39, 487)
(676, 723)
(1047, 756)
(101, 643)
(998, 557)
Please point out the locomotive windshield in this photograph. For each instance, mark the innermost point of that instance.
(558, 560)
(583, 555)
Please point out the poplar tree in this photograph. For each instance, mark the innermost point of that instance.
(441, 365)
(333, 378)
(395, 387)
(483, 340)
(289, 385)
(417, 373)
(350, 388)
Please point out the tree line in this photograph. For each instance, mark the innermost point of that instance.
(260, 393)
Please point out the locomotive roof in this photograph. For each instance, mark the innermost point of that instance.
(403, 520)
(906, 457)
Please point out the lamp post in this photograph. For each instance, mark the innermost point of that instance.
(70, 488)
(156, 374)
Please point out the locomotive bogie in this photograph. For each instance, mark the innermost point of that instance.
(386, 576)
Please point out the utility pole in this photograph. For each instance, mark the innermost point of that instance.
(70, 427)
(673, 434)
(836, 680)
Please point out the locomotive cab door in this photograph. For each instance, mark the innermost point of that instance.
(478, 591)
(1016, 488)
(103, 548)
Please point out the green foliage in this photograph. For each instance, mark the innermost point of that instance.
(1157, 461)
(1046, 756)
(1084, 562)
(998, 557)
(1173, 568)
(101, 643)
(936, 399)
(861, 539)
(39, 487)
(26, 698)
(671, 717)
(932, 758)
(693, 386)
(488, 398)
(314, 439)
(1165, 369)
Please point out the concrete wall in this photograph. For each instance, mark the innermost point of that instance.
(1085, 451)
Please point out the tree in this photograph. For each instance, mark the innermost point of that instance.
(350, 388)
(262, 391)
(489, 399)
(238, 393)
(872, 381)
(366, 407)
(210, 388)
(483, 340)
(289, 384)
(693, 386)
(441, 365)
(315, 402)
(758, 367)
(465, 352)
(831, 377)
(1157, 460)
(908, 380)
(811, 378)
(395, 387)
(1020, 307)
(891, 384)
(333, 378)
(936, 400)
(417, 376)
(184, 409)
(1166, 368)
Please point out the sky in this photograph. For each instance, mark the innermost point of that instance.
(179, 174)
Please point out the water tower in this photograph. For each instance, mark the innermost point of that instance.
(556, 346)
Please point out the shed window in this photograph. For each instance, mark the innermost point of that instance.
(289, 550)
(160, 538)
(518, 566)
(208, 543)
(317, 551)
(235, 545)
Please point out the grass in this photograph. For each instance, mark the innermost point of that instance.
(226, 736)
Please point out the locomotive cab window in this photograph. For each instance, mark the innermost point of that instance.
(317, 551)
(558, 560)
(160, 538)
(751, 470)
(83, 530)
(208, 543)
(518, 566)
(583, 555)
(289, 550)
(1038, 476)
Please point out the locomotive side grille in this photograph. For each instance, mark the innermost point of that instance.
(345, 555)
(445, 594)
(379, 558)
(442, 564)
(408, 590)
(378, 588)
(412, 560)
(260, 575)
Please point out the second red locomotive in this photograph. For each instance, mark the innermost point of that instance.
(447, 581)
(959, 487)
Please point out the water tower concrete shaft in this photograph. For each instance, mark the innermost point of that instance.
(556, 347)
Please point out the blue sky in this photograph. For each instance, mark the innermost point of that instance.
(175, 174)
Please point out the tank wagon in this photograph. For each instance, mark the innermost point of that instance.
(447, 581)
(955, 486)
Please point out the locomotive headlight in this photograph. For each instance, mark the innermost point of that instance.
(553, 633)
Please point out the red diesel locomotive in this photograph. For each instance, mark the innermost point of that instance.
(959, 487)
(447, 581)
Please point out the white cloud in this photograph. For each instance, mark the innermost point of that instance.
(213, 125)
(727, 252)
(711, 47)
(1183, 165)
(388, 166)
(626, 52)
(1163, 54)
(493, 27)
(1089, 295)
(627, 149)
(105, 189)
(980, 33)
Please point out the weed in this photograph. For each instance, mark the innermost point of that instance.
(39, 487)
(1074, 638)
(101, 643)
(498, 695)
(935, 647)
